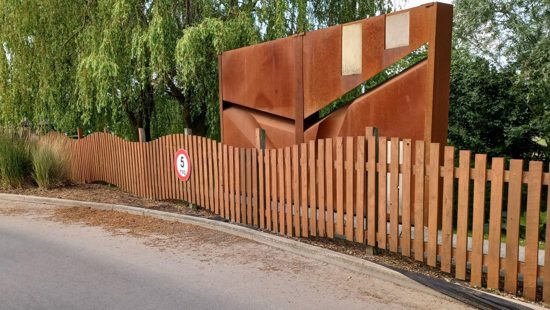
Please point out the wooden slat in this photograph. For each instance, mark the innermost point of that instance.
(180, 185)
(478, 215)
(462, 214)
(211, 182)
(267, 159)
(188, 185)
(231, 163)
(248, 186)
(546, 273)
(312, 190)
(226, 183)
(329, 170)
(371, 190)
(217, 183)
(532, 230)
(238, 184)
(195, 172)
(262, 188)
(513, 215)
(360, 190)
(495, 223)
(288, 192)
(394, 195)
(382, 191)
(202, 172)
(255, 199)
(321, 187)
(419, 202)
(242, 193)
(339, 186)
(304, 186)
(447, 210)
(406, 200)
(274, 193)
(349, 189)
(281, 190)
(296, 189)
(433, 192)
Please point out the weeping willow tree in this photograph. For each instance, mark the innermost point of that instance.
(38, 53)
(126, 64)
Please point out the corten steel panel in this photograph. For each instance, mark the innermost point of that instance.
(391, 107)
(262, 76)
(293, 78)
(323, 81)
(240, 124)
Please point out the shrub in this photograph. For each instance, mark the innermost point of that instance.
(14, 160)
(50, 164)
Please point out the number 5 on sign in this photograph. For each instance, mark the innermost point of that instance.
(182, 164)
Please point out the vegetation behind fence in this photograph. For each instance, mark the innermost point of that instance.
(479, 221)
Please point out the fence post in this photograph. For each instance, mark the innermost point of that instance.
(79, 133)
(141, 134)
(260, 138)
(372, 202)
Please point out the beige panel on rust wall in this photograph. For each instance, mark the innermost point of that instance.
(397, 30)
(352, 48)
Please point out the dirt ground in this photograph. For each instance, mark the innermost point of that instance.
(169, 232)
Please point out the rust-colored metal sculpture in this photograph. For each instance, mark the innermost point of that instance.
(281, 85)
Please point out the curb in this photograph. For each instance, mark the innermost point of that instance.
(305, 250)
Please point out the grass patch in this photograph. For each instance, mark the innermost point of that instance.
(15, 162)
(50, 164)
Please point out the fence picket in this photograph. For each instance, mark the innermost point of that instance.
(254, 176)
(382, 192)
(419, 202)
(288, 192)
(261, 189)
(339, 186)
(267, 211)
(394, 195)
(433, 192)
(371, 190)
(495, 223)
(312, 190)
(274, 193)
(480, 177)
(532, 230)
(349, 197)
(360, 191)
(304, 186)
(321, 187)
(281, 190)
(513, 215)
(329, 169)
(447, 209)
(296, 190)
(406, 200)
(462, 215)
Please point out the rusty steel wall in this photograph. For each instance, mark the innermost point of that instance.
(281, 85)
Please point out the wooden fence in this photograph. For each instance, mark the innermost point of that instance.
(465, 220)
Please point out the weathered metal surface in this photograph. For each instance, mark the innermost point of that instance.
(291, 79)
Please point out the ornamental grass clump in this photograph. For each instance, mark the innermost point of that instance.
(50, 164)
(15, 163)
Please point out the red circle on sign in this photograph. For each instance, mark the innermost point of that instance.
(182, 164)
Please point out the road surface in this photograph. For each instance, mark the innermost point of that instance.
(50, 264)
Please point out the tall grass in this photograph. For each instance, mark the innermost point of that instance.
(50, 163)
(15, 163)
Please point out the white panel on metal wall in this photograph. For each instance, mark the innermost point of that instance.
(352, 48)
(397, 30)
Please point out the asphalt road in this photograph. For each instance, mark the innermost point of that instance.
(46, 264)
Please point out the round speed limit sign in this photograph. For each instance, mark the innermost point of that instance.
(182, 165)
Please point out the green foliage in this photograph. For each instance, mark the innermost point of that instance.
(486, 114)
(501, 65)
(49, 164)
(14, 161)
